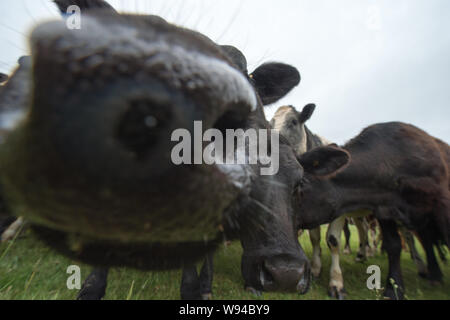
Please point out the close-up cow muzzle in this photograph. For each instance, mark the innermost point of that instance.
(277, 273)
(92, 156)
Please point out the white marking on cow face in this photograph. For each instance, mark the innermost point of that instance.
(286, 122)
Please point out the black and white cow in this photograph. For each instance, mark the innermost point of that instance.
(292, 125)
(397, 171)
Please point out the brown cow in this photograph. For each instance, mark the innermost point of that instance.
(396, 170)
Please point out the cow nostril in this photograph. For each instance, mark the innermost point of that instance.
(266, 276)
(141, 126)
(286, 275)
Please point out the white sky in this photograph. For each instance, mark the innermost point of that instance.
(361, 61)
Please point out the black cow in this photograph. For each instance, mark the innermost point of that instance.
(398, 171)
(89, 166)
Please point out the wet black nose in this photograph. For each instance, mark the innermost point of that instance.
(285, 274)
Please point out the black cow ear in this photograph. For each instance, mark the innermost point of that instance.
(83, 5)
(306, 113)
(274, 80)
(3, 77)
(237, 57)
(325, 161)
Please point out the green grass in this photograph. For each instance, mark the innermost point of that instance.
(29, 270)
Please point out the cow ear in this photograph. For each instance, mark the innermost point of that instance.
(325, 161)
(236, 56)
(274, 80)
(3, 77)
(306, 113)
(63, 5)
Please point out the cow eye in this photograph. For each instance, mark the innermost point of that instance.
(294, 122)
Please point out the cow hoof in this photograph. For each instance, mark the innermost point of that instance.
(316, 273)
(390, 294)
(347, 251)
(436, 282)
(253, 291)
(371, 253)
(423, 274)
(336, 293)
(89, 294)
(207, 296)
(360, 258)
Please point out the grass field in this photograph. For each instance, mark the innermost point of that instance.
(29, 270)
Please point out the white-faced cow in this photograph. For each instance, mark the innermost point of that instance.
(292, 125)
(397, 171)
(89, 163)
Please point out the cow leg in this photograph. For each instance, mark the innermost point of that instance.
(434, 272)
(409, 238)
(363, 242)
(5, 223)
(190, 283)
(373, 234)
(206, 277)
(336, 285)
(347, 249)
(393, 246)
(94, 287)
(316, 263)
(12, 230)
(371, 248)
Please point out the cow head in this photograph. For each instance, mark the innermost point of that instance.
(291, 124)
(316, 200)
(273, 259)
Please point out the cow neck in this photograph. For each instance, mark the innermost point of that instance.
(358, 186)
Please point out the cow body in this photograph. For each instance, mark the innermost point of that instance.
(401, 174)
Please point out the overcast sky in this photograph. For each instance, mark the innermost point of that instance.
(361, 61)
